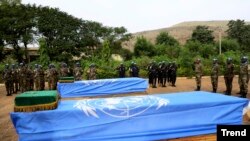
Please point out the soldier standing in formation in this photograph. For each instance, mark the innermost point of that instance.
(36, 77)
(198, 73)
(23, 76)
(159, 73)
(41, 77)
(229, 75)
(121, 70)
(78, 72)
(243, 77)
(54, 77)
(7, 79)
(91, 72)
(64, 71)
(134, 70)
(152, 73)
(15, 78)
(173, 74)
(164, 69)
(215, 75)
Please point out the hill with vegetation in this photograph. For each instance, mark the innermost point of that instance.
(181, 31)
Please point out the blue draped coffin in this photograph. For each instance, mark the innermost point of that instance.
(133, 118)
(102, 87)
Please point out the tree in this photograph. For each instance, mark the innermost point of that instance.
(166, 39)
(143, 47)
(229, 45)
(43, 58)
(241, 32)
(106, 51)
(203, 35)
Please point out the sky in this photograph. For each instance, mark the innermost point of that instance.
(141, 15)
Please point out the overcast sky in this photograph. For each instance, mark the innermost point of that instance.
(140, 15)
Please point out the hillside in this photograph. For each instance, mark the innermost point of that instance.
(181, 31)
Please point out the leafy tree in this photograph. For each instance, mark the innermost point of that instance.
(229, 45)
(106, 51)
(203, 35)
(241, 32)
(166, 39)
(43, 58)
(143, 47)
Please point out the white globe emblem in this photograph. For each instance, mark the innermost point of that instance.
(121, 107)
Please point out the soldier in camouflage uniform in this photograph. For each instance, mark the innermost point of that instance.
(36, 77)
(29, 78)
(215, 75)
(15, 78)
(41, 78)
(91, 72)
(49, 77)
(7, 79)
(164, 69)
(78, 72)
(64, 71)
(198, 73)
(54, 74)
(23, 75)
(229, 75)
(243, 77)
(159, 74)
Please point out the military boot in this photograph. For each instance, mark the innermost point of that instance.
(214, 90)
(198, 88)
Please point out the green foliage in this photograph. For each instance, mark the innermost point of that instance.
(43, 58)
(203, 35)
(241, 32)
(229, 45)
(106, 51)
(143, 47)
(166, 39)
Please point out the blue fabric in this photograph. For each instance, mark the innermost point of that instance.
(133, 118)
(102, 87)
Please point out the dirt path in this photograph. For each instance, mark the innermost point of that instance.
(8, 133)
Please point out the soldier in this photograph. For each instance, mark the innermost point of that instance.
(7, 79)
(121, 70)
(243, 77)
(36, 77)
(173, 74)
(215, 75)
(54, 76)
(64, 71)
(152, 69)
(134, 70)
(229, 75)
(91, 72)
(164, 73)
(159, 74)
(29, 78)
(23, 75)
(15, 77)
(198, 73)
(78, 72)
(49, 76)
(41, 78)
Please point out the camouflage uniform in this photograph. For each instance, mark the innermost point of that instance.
(49, 77)
(23, 75)
(36, 77)
(229, 75)
(159, 74)
(215, 75)
(198, 73)
(78, 72)
(15, 78)
(121, 71)
(41, 78)
(29, 79)
(92, 72)
(7, 79)
(53, 77)
(64, 71)
(243, 77)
